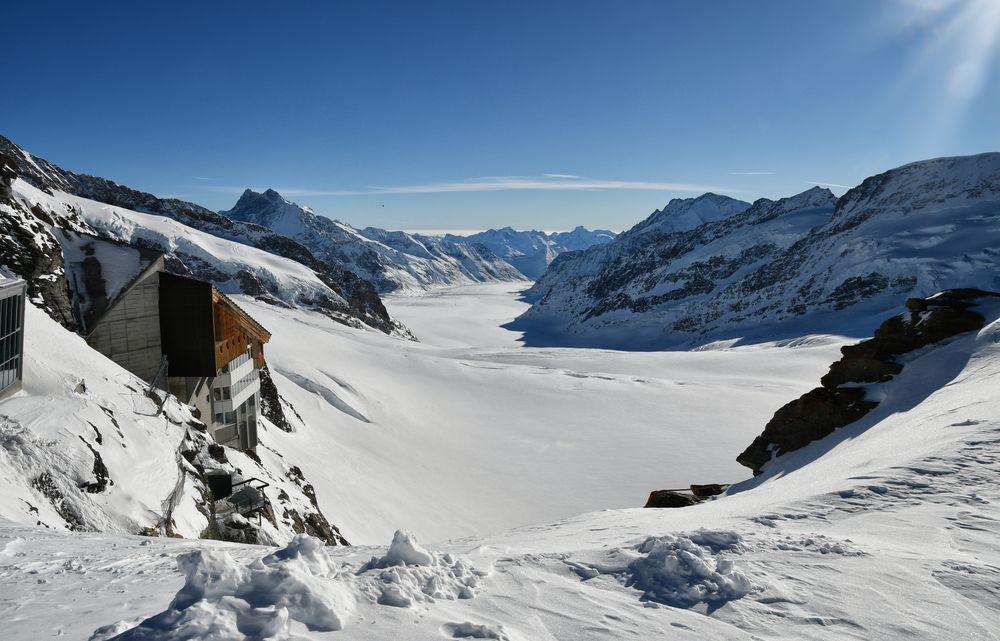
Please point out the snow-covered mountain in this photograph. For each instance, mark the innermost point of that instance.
(392, 260)
(235, 256)
(531, 252)
(716, 268)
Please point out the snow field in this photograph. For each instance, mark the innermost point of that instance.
(501, 435)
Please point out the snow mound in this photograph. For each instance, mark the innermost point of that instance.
(224, 600)
(686, 570)
(409, 574)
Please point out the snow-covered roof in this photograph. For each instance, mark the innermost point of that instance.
(9, 282)
(100, 271)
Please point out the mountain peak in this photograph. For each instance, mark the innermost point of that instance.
(684, 214)
(270, 210)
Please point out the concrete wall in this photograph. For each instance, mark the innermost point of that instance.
(130, 332)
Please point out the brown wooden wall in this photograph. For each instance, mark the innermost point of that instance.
(233, 333)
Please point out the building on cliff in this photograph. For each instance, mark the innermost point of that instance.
(177, 333)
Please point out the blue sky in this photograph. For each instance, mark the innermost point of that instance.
(467, 114)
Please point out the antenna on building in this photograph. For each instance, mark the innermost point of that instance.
(159, 383)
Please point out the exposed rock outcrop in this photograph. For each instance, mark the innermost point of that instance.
(28, 250)
(669, 498)
(841, 399)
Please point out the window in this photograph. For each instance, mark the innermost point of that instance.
(11, 310)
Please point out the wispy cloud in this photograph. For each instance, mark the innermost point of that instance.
(495, 183)
(201, 178)
(569, 176)
(751, 173)
(825, 184)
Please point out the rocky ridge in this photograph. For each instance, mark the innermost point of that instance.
(793, 263)
(843, 396)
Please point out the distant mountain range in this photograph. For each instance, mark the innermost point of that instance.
(531, 252)
(390, 260)
(293, 256)
(714, 267)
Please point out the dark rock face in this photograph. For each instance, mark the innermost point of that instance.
(272, 403)
(27, 249)
(669, 498)
(314, 523)
(712, 489)
(804, 420)
(819, 412)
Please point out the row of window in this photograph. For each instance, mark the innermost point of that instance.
(242, 416)
(10, 315)
(9, 373)
(228, 392)
(244, 382)
(235, 363)
(10, 347)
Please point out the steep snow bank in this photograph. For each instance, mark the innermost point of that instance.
(82, 446)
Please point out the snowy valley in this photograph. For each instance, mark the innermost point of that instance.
(445, 449)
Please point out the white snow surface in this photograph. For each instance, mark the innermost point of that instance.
(501, 435)
(886, 530)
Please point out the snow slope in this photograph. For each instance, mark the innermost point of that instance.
(82, 444)
(911, 231)
(391, 260)
(531, 252)
(469, 432)
(885, 530)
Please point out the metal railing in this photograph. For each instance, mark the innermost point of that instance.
(247, 498)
